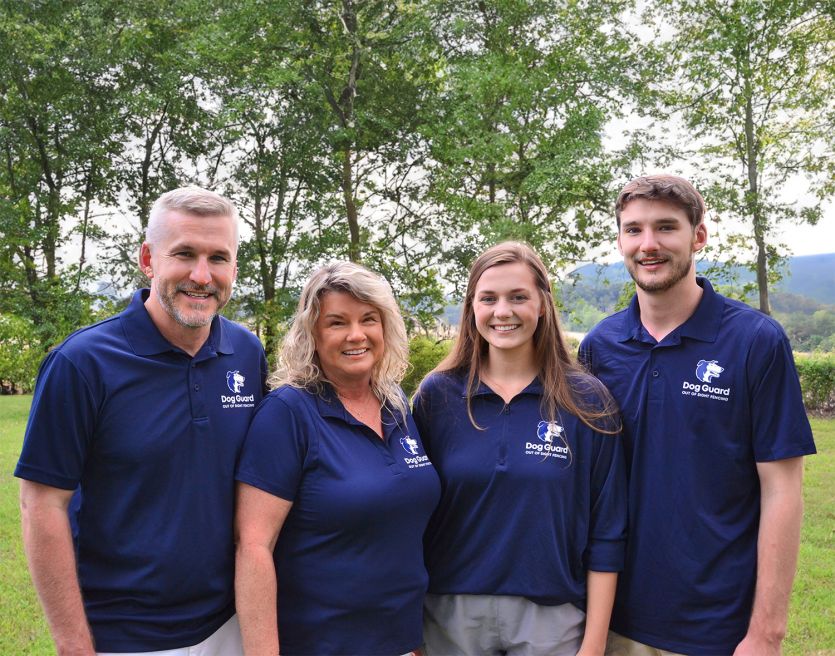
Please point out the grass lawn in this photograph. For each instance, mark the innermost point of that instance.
(811, 621)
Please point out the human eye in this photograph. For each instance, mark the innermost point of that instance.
(219, 259)
(487, 298)
(371, 319)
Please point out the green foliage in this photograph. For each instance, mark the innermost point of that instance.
(20, 353)
(424, 354)
(752, 81)
(817, 380)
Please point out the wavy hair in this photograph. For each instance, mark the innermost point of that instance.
(298, 363)
(565, 383)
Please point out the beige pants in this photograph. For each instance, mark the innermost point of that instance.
(226, 641)
(618, 645)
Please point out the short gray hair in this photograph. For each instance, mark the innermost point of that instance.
(298, 365)
(189, 200)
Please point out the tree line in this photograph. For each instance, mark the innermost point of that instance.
(408, 135)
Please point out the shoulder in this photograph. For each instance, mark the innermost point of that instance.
(441, 383)
(291, 397)
(240, 335)
(744, 322)
(93, 338)
(608, 330)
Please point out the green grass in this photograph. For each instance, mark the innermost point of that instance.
(22, 626)
(811, 620)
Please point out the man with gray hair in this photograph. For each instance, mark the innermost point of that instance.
(141, 417)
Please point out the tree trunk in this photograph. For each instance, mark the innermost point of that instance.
(755, 206)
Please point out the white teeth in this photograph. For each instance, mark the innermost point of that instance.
(196, 294)
(504, 329)
(355, 352)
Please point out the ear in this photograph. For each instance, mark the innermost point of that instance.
(145, 260)
(699, 237)
(620, 247)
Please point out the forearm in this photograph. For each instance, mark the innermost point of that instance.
(777, 547)
(600, 596)
(778, 541)
(256, 593)
(49, 550)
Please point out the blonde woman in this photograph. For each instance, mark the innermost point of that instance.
(531, 525)
(335, 489)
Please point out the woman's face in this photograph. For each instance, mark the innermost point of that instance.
(507, 307)
(349, 338)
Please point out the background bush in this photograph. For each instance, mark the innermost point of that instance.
(817, 380)
(424, 354)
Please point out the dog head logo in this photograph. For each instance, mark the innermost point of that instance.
(548, 430)
(235, 381)
(409, 445)
(707, 370)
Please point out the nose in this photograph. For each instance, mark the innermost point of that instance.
(502, 308)
(356, 333)
(200, 273)
(649, 243)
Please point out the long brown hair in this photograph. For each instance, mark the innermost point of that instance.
(565, 384)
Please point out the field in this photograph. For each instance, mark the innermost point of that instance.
(811, 622)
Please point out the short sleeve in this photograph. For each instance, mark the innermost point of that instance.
(780, 427)
(62, 422)
(277, 448)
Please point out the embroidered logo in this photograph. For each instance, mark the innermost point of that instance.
(409, 445)
(707, 370)
(546, 431)
(551, 443)
(414, 459)
(235, 381)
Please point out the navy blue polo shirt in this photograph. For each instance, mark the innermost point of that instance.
(527, 505)
(717, 395)
(151, 436)
(349, 558)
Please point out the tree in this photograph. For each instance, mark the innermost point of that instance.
(58, 137)
(517, 142)
(751, 83)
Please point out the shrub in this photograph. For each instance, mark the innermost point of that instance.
(424, 354)
(817, 380)
(20, 354)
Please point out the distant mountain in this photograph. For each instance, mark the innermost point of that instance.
(809, 276)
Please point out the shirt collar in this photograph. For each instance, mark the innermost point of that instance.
(330, 405)
(703, 324)
(534, 387)
(146, 339)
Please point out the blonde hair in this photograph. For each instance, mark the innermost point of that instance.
(190, 200)
(565, 384)
(298, 364)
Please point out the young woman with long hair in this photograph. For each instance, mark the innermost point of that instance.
(524, 548)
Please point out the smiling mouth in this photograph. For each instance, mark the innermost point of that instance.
(505, 328)
(654, 261)
(355, 351)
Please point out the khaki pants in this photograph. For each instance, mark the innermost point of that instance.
(226, 641)
(618, 645)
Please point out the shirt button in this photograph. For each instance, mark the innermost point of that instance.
(655, 373)
(197, 388)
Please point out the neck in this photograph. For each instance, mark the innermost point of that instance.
(183, 337)
(359, 390)
(663, 312)
(511, 365)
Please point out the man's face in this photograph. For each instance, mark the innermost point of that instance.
(192, 267)
(657, 242)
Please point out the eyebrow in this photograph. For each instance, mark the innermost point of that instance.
(185, 246)
(511, 291)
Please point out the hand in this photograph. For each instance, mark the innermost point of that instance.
(758, 645)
